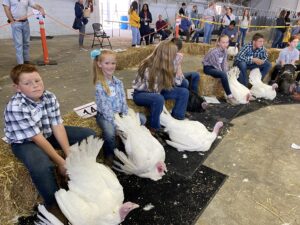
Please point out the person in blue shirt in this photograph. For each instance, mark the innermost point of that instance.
(288, 55)
(185, 27)
(110, 99)
(252, 55)
(231, 31)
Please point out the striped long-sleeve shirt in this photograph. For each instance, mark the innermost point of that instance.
(216, 57)
(247, 53)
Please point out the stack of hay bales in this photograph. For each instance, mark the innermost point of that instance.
(133, 56)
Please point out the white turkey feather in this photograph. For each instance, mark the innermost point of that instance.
(186, 135)
(47, 218)
(144, 154)
(239, 91)
(95, 196)
(259, 89)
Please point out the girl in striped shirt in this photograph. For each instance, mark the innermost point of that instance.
(215, 65)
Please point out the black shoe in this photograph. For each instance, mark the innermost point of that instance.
(29, 63)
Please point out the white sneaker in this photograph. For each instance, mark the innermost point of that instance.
(83, 49)
(137, 46)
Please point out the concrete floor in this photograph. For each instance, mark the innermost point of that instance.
(263, 187)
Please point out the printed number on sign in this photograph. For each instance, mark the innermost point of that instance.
(87, 110)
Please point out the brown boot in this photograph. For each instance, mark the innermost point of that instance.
(55, 210)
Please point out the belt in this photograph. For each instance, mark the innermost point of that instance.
(22, 21)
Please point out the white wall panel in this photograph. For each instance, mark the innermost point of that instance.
(61, 10)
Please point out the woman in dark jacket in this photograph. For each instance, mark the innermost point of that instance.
(279, 32)
(146, 19)
(79, 15)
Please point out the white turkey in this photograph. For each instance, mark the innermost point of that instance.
(95, 196)
(232, 51)
(145, 156)
(188, 135)
(259, 89)
(241, 94)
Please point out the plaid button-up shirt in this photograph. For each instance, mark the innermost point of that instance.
(247, 53)
(25, 118)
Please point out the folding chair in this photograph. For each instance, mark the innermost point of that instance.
(100, 35)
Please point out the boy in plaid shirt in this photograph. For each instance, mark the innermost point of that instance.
(33, 127)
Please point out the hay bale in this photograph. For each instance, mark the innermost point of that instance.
(210, 86)
(133, 56)
(273, 54)
(196, 48)
(17, 193)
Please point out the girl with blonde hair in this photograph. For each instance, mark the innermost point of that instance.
(110, 98)
(156, 81)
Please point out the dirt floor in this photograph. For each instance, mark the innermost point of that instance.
(263, 187)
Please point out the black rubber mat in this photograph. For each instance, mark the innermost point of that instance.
(175, 200)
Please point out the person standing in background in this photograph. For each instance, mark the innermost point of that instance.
(279, 32)
(134, 21)
(16, 12)
(244, 25)
(79, 7)
(182, 11)
(145, 30)
(194, 16)
(209, 16)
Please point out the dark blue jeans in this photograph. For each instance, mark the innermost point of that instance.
(277, 38)
(109, 133)
(156, 101)
(40, 166)
(243, 66)
(194, 77)
(242, 35)
(212, 71)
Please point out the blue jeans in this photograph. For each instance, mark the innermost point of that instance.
(156, 101)
(109, 133)
(208, 29)
(243, 32)
(194, 77)
(81, 35)
(210, 70)
(277, 39)
(21, 37)
(198, 32)
(163, 34)
(243, 66)
(40, 166)
(136, 36)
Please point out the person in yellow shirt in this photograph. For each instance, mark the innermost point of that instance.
(134, 21)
